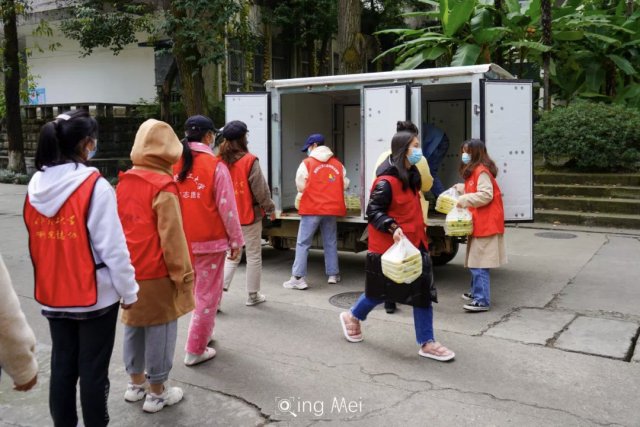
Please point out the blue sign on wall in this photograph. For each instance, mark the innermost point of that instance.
(37, 96)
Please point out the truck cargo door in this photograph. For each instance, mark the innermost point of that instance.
(253, 109)
(382, 107)
(416, 107)
(506, 128)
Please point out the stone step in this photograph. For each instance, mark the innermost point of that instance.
(623, 179)
(588, 204)
(606, 191)
(587, 218)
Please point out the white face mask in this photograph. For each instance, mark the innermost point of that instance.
(466, 158)
(92, 153)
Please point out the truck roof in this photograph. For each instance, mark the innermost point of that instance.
(386, 76)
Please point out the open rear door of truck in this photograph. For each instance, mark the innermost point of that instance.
(253, 109)
(382, 107)
(506, 128)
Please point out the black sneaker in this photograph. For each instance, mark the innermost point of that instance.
(390, 307)
(467, 296)
(475, 306)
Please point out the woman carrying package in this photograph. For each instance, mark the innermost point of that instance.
(211, 225)
(482, 196)
(81, 265)
(394, 213)
(149, 209)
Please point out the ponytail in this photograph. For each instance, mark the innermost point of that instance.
(60, 139)
(187, 160)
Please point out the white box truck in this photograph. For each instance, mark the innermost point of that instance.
(357, 114)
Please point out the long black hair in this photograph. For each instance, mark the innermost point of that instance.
(399, 146)
(60, 139)
(187, 159)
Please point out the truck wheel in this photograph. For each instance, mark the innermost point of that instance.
(445, 257)
(279, 243)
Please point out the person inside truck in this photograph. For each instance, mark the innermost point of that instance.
(394, 213)
(435, 144)
(321, 180)
(426, 182)
(482, 196)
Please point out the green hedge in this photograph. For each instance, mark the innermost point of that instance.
(9, 177)
(590, 137)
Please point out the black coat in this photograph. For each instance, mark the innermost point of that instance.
(420, 293)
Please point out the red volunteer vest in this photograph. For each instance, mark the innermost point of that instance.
(201, 219)
(488, 220)
(406, 210)
(60, 248)
(135, 192)
(239, 171)
(324, 194)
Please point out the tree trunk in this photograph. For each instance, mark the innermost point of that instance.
(12, 88)
(165, 92)
(545, 19)
(349, 19)
(498, 57)
(268, 53)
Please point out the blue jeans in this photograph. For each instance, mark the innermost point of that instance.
(308, 226)
(422, 317)
(480, 288)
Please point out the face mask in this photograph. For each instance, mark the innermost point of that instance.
(466, 158)
(415, 156)
(309, 151)
(93, 152)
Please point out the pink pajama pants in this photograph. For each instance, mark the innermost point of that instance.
(209, 272)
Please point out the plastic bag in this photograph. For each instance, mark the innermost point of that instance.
(459, 222)
(402, 262)
(447, 200)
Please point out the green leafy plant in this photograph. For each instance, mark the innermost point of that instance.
(590, 136)
(10, 177)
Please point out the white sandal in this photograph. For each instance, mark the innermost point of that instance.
(345, 330)
(448, 355)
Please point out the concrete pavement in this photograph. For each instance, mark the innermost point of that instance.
(557, 348)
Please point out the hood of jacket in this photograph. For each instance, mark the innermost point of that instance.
(156, 147)
(50, 188)
(387, 168)
(322, 153)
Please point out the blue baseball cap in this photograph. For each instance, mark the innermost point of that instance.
(316, 138)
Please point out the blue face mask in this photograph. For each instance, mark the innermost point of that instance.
(309, 151)
(466, 158)
(92, 153)
(415, 156)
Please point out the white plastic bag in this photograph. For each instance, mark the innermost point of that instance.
(459, 222)
(447, 200)
(402, 262)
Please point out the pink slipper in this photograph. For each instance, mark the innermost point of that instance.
(345, 329)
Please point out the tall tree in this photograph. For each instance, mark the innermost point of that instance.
(545, 24)
(350, 43)
(12, 86)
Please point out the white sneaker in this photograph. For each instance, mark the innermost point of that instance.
(255, 298)
(155, 403)
(191, 359)
(334, 279)
(294, 283)
(135, 392)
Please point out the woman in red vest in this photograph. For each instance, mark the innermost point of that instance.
(81, 265)
(253, 197)
(211, 225)
(485, 247)
(149, 209)
(395, 212)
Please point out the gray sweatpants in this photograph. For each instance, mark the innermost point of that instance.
(150, 349)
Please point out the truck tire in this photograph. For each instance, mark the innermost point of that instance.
(445, 257)
(279, 243)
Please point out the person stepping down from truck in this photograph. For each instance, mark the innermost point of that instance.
(321, 180)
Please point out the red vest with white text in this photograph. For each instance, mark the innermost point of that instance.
(324, 193)
(200, 216)
(60, 248)
(488, 220)
(406, 210)
(136, 191)
(239, 171)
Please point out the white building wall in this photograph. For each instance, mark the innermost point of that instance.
(98, 78)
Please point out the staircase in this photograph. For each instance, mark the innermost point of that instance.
(600, 200)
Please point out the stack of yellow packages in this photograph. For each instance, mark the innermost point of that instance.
(447, 200)
(459, 222)
(402, 262)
